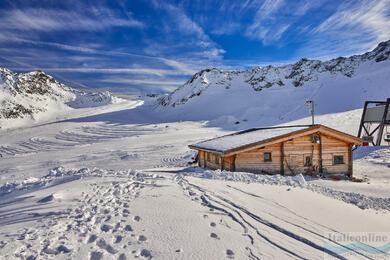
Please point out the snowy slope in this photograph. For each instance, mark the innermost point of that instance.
(115, 182)
(276, 94)
(107, 187)
(35, 94)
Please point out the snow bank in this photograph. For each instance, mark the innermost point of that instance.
(294, 181)
(359, 200)
(60, 175)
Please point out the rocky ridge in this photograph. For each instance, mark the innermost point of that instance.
(259, 78)
(26, 94)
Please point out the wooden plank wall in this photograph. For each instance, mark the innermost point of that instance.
(253, 161)
(295, 151)
(330, 148)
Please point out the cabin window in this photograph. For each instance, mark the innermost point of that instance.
(307, 161)
(338, 159)
(216, 159)
(267, 157)
(208, 157)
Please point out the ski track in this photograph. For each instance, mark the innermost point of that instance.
(254, 225)
(84, 135)
(100, 223)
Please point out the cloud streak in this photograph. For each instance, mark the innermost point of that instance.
(145, 71)
(370, 17)
(39, 19)
(355, 27)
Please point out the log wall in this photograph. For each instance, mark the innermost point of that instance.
(293, 160)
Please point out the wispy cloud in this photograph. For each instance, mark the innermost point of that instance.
(39, 19)
(355, 27)
(275, 17)
(157, 72)
(143, 81)
(369, 17)
(263, 26)
(182, 28)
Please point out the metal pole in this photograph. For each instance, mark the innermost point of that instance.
(383, 122)
(362, 119)
(312, 112)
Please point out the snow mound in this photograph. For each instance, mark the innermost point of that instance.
(294, 181)
(370, 152)
(297, 181)
(60, 175)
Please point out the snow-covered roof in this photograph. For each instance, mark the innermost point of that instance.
(246, 137)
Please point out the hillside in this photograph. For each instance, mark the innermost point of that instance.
(276, 94)
(31, 95)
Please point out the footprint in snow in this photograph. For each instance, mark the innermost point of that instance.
(105, 228)
(122, 257)
(229, 253)
(145, 253)
(141, 238)
(213, 235)
(92, 238)
(118, 239)
(128, 228)
(103, 245)
(96, 255)
(137, 218)
(212, 224)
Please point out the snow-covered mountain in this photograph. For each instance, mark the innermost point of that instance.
(26, 95)
(272, 94)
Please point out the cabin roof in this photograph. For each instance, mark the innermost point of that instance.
(257, 137)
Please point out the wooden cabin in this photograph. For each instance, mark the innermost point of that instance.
(286, 150)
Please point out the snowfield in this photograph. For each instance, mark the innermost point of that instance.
(117, 184)
(91, 176)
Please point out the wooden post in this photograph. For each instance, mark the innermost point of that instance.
(204, 160)
(320, 152)
(222, 163)
(233, 164)
(350, 160)
(282, 158)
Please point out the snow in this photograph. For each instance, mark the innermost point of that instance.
(35, 98)
(116, 181)
(237, 100)
(90, 188)
(239, 139)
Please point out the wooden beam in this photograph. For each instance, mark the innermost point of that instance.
(350, 161)
(282, 158)
(234, 164)
(320, 154)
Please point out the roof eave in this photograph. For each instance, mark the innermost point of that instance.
(221, 153)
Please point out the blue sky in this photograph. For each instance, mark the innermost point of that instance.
(155, 46)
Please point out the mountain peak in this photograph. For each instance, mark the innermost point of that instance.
(259, 78)
(25, 95)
